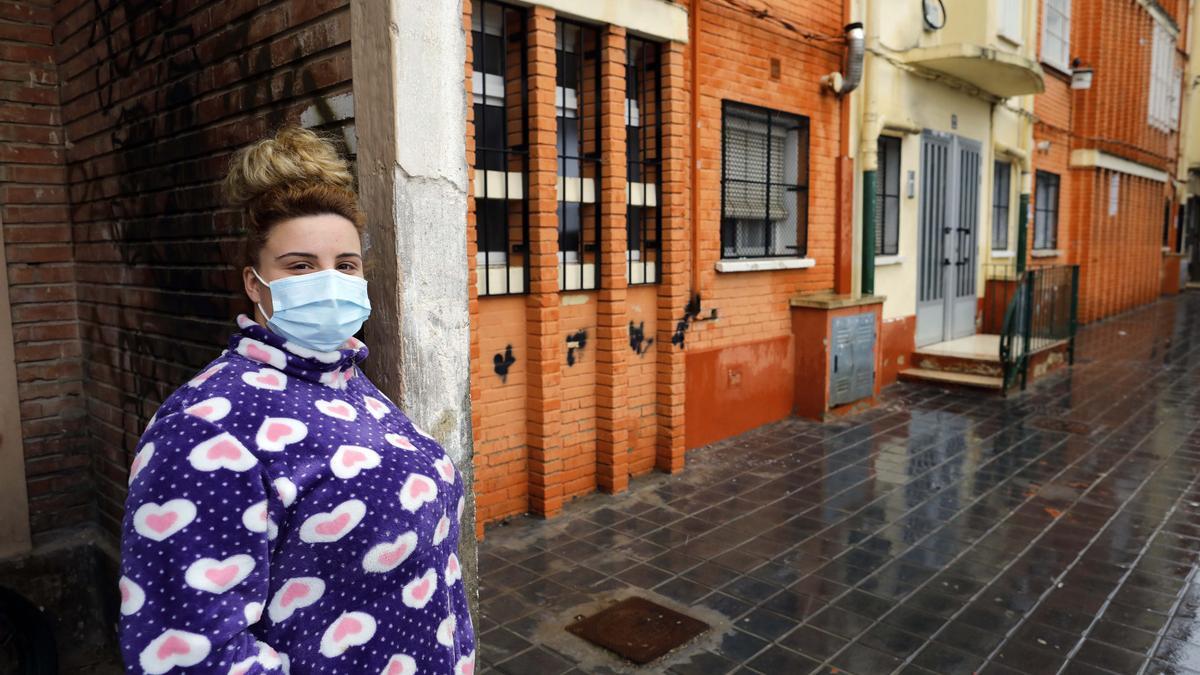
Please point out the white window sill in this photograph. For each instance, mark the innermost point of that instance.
(885, 260)
(1004, 254)
(765, 265)
(1046, 253)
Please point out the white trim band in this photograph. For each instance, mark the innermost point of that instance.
(1102, 160)
(650, 18)
(765, 264)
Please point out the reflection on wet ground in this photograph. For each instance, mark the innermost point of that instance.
(943, 532)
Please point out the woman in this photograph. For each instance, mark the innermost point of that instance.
(283, 515)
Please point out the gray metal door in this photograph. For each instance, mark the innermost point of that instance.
(948, 237)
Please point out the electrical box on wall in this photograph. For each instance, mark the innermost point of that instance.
(852, 358)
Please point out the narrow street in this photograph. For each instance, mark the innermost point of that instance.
(1055, 531)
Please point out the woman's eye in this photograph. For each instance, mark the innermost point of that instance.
(301, 266)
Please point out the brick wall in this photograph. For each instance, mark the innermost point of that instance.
(119, 119)
(41, 276)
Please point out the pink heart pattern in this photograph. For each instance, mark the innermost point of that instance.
(465, 664)
(418, 490)
(376, 407)
(266, 378)
(441, 531)
(445, 468)
(332, 525)
(210, 410)
(257, 519)
(337, 409)
(262, 352)
(453, 569)
(223, 451)
(158, 522)
(204, 376)
(400, 664)
(132, 596)
(351, 629)
(399, 441)
(140, 460)
(218, 576)
(416, 593)
(389, 555)
(173, 648)
(349, 460)
(295, 594)
(276, 433)
(445, 631)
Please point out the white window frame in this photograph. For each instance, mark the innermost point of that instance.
(1165, 80)
(1008, 20)
(1056, 47)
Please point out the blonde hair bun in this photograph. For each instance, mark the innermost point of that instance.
(294, 157)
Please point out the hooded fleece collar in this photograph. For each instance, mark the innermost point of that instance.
(333, 368)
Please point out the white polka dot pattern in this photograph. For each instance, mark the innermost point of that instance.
(283, 515)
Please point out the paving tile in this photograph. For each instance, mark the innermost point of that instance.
(1056, 530)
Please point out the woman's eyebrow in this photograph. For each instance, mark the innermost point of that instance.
(298, 254)
(349, 255)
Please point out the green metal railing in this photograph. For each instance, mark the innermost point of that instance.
(1043, 311)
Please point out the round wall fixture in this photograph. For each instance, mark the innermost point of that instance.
(934, 13)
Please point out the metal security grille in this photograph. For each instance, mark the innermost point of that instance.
(500, 100)
(968, 221)
(643, 142)
(1001, 197)
(1045, 211)
(577, 99)
(764, 182)
(935, 164)
(887, 198)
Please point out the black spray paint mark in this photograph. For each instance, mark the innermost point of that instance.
(503, 362)
(690, 313)
(637, 338)
(575, 341)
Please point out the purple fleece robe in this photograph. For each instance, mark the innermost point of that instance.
(284, 516)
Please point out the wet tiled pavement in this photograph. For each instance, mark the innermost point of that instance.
(942, 532)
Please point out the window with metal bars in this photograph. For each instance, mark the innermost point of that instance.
(500, 100)
(1001, 204)
(643, 143)
(887, 198)
(577, 100)
(764, 182)
(1045, 211)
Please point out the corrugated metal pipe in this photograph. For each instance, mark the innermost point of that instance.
(855, 48)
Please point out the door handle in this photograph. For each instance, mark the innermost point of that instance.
(945, 262)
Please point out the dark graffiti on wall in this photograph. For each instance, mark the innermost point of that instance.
(691, 313)
(575, 342)
(637, 338)
(502, 362)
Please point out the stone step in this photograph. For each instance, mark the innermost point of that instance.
(955, 363)
(953, 378)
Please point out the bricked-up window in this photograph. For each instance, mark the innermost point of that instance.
(1045, 211)
(1056, 34)
(887, 198)
(1164, 81)
(501, 161)
(643, 141)
(1001, 204)
(577, 99)
(764, 182)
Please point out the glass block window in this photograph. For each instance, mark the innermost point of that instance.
(643, 143)
(500, 104)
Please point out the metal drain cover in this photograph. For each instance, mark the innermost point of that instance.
(638, 629)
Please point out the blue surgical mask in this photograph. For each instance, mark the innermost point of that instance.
(320, 310)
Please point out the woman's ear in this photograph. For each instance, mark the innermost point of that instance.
(252, 285)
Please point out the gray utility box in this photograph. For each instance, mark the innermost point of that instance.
(852, 358)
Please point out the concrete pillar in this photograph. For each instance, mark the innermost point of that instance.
(14, 503)
(612, 329)
(410, 115)
(673, 287)
(545, 344)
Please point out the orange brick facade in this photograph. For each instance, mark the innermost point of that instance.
(1121, 254)
(564, 421)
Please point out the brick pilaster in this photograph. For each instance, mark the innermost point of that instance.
(612, 332)
(673, 288)
(542, 304)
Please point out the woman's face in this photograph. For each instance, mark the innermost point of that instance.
(303, 246)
